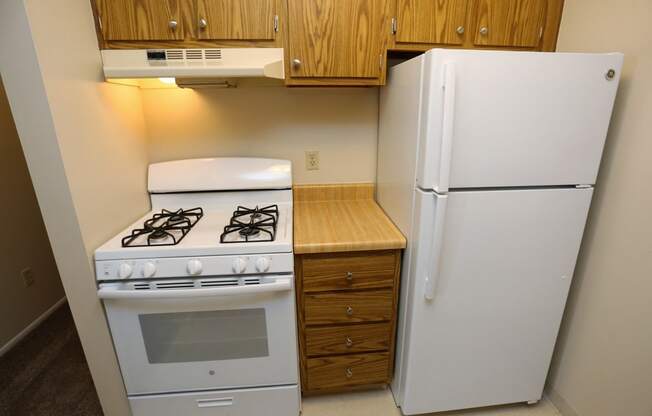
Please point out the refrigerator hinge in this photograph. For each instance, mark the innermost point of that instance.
(583, 186)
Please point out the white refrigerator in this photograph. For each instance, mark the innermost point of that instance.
(486, 162)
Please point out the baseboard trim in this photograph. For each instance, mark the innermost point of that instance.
(22, 334)
(560, 403)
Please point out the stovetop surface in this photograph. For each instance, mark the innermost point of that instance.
(203, 238)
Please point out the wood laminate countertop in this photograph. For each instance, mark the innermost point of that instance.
(335, 218)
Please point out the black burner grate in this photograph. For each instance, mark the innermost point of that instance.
(251, 225)
(166, 228)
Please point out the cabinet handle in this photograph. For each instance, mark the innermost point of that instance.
(484, 31)
(296, 63)
(172, 24)
(349, 310)
(349, 276)
(203, 23)
(348, 341)
(348, 372)
(460, 30)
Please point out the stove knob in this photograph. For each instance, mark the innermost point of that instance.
(125, 270)
(262, 264)
(239, 265)
(149, 269)
(194, 267)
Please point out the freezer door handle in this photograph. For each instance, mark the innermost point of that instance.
(434, 266)
(448, 126)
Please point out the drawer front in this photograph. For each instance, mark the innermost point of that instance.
(349, 272)
(336, 308)
(348, 370)
(256, 401)
(347, 339)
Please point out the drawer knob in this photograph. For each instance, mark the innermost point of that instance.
(348, 372)
(349, 310)
(349, 276)
(172, 24)
(348, 341)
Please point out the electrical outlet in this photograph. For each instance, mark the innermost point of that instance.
(312, 160)
(28, 276)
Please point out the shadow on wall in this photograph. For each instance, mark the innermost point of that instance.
(29, 279)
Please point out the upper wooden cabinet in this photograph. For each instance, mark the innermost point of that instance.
(336, 38)
(237, 19)
(511, 23)
(330, 42)
(140, 19)
(431, 21)
(499, 24)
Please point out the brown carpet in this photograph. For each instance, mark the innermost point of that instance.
(46, 373)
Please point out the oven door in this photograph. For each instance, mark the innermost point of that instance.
(213, 333)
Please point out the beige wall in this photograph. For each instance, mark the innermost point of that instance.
(603, 362)
(85, 145)
(24, 242)
(270, 122)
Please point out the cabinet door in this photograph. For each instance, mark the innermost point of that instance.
(431, 21)
(336, 38)
(140, 19)
(516, 23)
(236, 19)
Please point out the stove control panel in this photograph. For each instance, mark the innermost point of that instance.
(194, 266)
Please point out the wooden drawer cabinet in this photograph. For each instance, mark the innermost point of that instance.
(338, 308)
(347, 339)
(347, 318)
(351, 272)
(327, 373)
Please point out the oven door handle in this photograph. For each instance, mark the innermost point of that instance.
(110, 291)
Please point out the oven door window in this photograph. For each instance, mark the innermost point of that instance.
(204, 336)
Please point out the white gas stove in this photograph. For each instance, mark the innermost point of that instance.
(199, 291)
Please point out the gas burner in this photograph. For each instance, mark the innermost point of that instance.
(252, 225)
(165, 228)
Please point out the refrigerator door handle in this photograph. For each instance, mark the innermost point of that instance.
(434, 268)
(448, 125)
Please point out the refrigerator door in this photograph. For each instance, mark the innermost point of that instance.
(487, 296)
(505, 119)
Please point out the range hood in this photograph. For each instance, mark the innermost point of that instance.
(189, 67)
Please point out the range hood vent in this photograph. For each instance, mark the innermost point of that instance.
(193, 65)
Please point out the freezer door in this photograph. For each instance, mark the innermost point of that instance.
(503, 119)
(488, 294)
